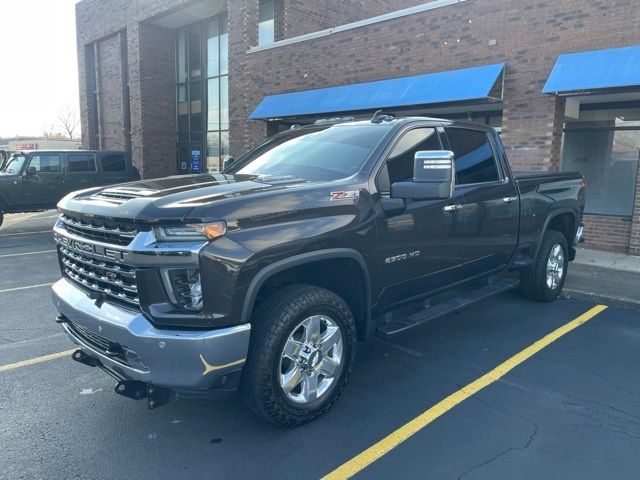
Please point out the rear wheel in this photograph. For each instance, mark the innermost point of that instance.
(544, 279)
(302, 346)
(1, 218)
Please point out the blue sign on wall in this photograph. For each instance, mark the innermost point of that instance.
(196, 160)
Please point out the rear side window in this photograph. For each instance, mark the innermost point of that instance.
(474, 158)
(113, 163)
(81, 162)
(46, 163)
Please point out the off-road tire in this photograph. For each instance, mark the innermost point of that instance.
(533, 280)
(271, 325)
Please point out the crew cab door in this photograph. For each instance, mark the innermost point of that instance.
(492, 203)
(421, 243)
(43, 180)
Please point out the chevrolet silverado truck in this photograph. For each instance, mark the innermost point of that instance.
(263, 278)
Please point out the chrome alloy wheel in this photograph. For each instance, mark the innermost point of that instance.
(555, 267)
(311, 359)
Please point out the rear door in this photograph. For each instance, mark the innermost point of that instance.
(81, 171)
(46, 186)
(112, 168)
(491, 207)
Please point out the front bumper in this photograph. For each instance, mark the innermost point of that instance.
(127, 344)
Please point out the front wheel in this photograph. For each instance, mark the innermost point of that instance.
(544, 279)
(1, 218)
(302, 347)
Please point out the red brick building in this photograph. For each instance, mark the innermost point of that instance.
(176, 81)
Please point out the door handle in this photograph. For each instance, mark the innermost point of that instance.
(452, 208)
(509, 199)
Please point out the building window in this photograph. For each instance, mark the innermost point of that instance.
(266, 25)
(604, 145)
(202, 98)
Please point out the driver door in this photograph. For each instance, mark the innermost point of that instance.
(420, 247)
(45, 187)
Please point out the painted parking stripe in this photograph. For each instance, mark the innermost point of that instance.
(24, 233)
(391, 441)
(15, 289)
(26, 253)
(33, 361)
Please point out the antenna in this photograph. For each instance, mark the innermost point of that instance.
(380, 117)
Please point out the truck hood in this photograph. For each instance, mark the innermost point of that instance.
(170, 199)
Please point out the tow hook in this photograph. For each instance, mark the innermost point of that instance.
(156, 396)
(81, 357)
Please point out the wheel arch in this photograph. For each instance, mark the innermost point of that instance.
(348, 278)
(563, 220)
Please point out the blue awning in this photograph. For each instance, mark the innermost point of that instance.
(595, 70)
(431, 88)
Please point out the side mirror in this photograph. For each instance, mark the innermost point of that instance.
(31, 170)
(227, 161)
(434, 174)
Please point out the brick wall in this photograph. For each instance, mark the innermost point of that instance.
(110, 75)
(608, 233)
(300, 17)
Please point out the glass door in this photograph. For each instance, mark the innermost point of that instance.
(202, 67)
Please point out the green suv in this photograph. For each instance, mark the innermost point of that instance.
(38, 179)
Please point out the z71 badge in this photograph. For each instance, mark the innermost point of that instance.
(348, 195)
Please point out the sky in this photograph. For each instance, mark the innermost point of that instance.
(38, 70)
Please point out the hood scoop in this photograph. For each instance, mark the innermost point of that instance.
(119, 195)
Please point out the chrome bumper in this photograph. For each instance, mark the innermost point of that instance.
(180, 360)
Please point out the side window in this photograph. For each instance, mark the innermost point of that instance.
(399, 164)
(81, 162)
(475, 162)
(46, 163)
(113, 163)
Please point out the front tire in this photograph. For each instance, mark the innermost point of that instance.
(544, 279)
(303, 343)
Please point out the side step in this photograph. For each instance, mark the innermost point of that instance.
(401, 325)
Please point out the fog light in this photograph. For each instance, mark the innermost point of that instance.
(185, 288)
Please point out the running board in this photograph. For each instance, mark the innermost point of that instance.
(401, 325)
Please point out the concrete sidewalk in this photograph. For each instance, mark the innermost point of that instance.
(604, 277)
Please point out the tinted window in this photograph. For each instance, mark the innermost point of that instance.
(337, 152)
(401, 158)
(45, 163)
(81, 162)
(113, 163)
(474, 157)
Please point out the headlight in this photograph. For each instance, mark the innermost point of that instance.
(185, 288)
(194, 231)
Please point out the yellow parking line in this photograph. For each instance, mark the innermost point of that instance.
(33, 361)
(25, 288)
(373, 453)
(24, 233)
(26, 253)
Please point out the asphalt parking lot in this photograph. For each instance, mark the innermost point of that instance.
(569, 410)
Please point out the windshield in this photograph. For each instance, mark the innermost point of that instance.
(14, 165)
(330, 154)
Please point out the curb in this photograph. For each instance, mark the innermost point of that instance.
(623, 302)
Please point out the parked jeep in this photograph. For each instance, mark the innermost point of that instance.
(38, 179)
(263, 278)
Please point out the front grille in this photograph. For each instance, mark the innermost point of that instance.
(114, 281)
(102, 231)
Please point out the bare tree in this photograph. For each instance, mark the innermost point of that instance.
(68, 121)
